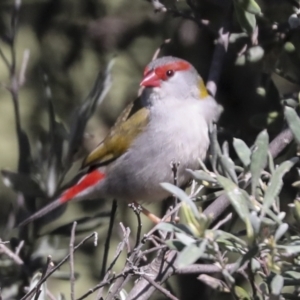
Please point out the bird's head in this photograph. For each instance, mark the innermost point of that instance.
(174, 78)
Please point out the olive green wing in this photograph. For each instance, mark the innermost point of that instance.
(129, 125)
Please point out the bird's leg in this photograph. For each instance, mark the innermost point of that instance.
(148, 214)
(155, 219)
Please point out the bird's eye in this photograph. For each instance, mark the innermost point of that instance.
(170, 73)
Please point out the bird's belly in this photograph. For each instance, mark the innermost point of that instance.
(136, 175)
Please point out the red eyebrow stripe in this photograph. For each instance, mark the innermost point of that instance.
(86, 182)
(175, 66)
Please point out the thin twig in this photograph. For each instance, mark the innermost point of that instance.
(40, 282)
(30, 293)
(160, 288)
(72, 273)
(101, 284)
(15, 257)
(137, 211)
(203, 268)
(119, 250)
(24, 64)
(114, 207)
(222, 222)
(19, 248)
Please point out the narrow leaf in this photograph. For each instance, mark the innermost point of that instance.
(228, 167)
(276, 183)
(277, 285)
(249, 5)
(246, 20)
(201, 175)
(294, 122)
(238, 201)
(243, 151)
(182, 196)
(190, 254)
(259, 158)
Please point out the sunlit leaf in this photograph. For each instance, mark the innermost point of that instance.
(228, 167)
(277, 285)
(190, 254)
(275, 185)
(246, 20)
(243, 151)
(259, 158)
(213, 283)
(182, 196)
(249, 5)
(238, 201)
(201, 175)
(294, 122)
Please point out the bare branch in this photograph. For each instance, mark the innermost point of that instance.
(14, 256)
(109, 234)
(72, 274)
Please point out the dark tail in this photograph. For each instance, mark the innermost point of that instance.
(42, 212)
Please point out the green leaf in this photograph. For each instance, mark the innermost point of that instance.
(190, 254)
(277, 285)
(294, 122)
(185, 239)
(255, 265)
(276, 183)
(182, 196)
(175, 245)
(213, 283)
(228, 167)
(282, 229)
(243, 151)
(241, 293)
(246, 20)
(255, 54)
(249, 5)
(201, 175)
(238, 201)
(255, 221)
(259, 158)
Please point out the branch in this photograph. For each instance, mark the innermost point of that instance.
(216, 208)
(72, 276)
(43, 279)
(161, 268)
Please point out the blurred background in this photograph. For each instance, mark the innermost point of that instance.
(72, 40)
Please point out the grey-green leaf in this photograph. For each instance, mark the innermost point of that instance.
(190, 254)
(277, 285)
(246, 20)
(238, 201)
(228, 167)
(249, 5)
(294, 122)
(243, 151)
(182, 196)
(282, 229)
(276, 183)
(259, 158)
(201, 175)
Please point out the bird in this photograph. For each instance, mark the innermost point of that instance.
(169, 123)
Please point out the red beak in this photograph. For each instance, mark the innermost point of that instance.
(150, 80)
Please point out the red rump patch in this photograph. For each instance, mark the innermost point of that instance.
(87, 181)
